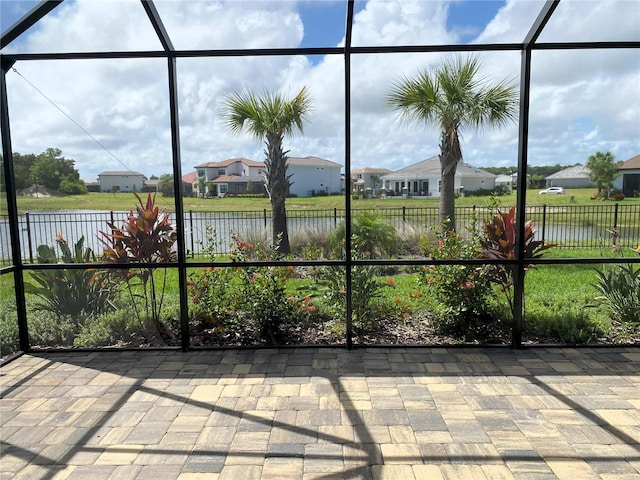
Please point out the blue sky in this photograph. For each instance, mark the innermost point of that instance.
(323, 19)
(582, 102)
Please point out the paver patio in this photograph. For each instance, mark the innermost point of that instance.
(315, 413)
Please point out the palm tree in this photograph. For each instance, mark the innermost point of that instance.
(453, 96)
(603, 171)
(270, 117)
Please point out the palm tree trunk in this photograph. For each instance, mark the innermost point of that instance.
(448, 166)
(277, 188)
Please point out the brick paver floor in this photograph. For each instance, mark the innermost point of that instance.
(314, 413)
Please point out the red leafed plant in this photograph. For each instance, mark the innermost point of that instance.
(499, 243)
(146, 237)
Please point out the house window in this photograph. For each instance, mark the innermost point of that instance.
(221, 171)
(439, 185)
(201, 173)
(223, 188)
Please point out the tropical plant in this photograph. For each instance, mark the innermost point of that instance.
(453, 96)
(69, 291)
(372, 235)
(499, 243)
(366, 294)
(270, 117)
(620, 292)
(603, 171)
(146, 238)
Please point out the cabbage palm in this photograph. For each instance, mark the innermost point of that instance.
(453, 96)
(270, 117)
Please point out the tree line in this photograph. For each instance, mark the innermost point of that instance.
(49, 169)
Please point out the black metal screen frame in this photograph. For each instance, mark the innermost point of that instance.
(169, 52)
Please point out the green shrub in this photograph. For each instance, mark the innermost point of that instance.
(110, 329)
(620, 292)
(553, 320)
(366, 292)
(9, 338)
(460, 290)
(69, 291)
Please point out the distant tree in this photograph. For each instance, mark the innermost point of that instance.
(153, 177)
(72, 187)
(202, 184)
(270, 117)
(604, 170)
(21, 169)
(453, 96)
(51, 167)
(165, 185)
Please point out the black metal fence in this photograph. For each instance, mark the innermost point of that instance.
(579, 226)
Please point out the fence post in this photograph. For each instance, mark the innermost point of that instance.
(615, 224)
(191, 232)
(264, 213)
(335, 216)
(404, 213)
(111, 213)
(26, 215)
(544, 222)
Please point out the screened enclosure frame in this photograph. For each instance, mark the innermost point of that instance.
(171, 54)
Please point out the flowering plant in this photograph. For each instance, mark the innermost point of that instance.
(461, 290)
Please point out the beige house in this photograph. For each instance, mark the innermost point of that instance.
(423, 179)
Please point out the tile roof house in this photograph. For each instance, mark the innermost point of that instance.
(308, 176)
(423, 179)
(629, 179)
(234, 176)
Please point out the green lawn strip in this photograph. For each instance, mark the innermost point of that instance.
(124, 202)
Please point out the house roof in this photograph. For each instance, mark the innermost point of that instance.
(370, 170)
(312, 161)
(238, 179)
(579, 171)
(120, 173)
(504, 179)
(633, 162)
(190, 177)
(431, 168)
(230, 161)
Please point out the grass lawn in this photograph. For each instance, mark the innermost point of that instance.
(124, 202)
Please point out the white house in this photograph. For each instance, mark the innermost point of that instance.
(121, 181)
(365, 178)
(629, 179)
(423, 179)
(312, 175)
(576, 177)
(509, 181)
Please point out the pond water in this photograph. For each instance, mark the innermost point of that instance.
(43, 227)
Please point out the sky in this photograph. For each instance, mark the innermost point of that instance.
(116, 113)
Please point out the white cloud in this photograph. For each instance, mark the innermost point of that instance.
(124, 103)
